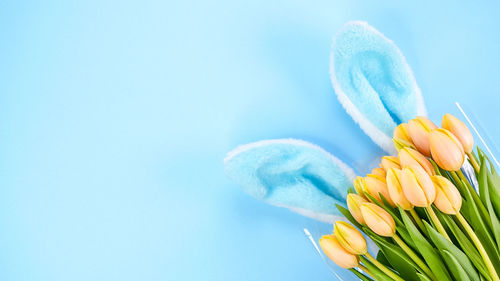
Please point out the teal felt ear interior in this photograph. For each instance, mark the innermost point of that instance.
(291, 173)
(373, 82)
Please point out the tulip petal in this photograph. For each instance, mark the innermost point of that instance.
(412, 189)
(291, 173)
(373, 82)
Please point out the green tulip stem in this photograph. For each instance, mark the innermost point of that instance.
(436, 222)
(455, 177)
(383, 268)
(475, 197)
(414, 257)
(473, 161)
(362, 267)
(418, 221)
(479, 246)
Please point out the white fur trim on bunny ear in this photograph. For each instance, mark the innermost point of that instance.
(291, 173)
(373, 82)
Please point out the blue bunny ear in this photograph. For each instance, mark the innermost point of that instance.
(373, 82)
(291, 173)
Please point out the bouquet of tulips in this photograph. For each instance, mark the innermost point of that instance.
(433, 216)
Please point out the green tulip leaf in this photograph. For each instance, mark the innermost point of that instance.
(406, 237)
(488, 185)
(466, 245)
(444, 245)
(397, 259)
(470, 210)
(423, 277)
(495, 190)
(388, 205)
(430, 254)
(455, 267)
(482, 180)
(495, 180)
(382, 259)
(377, 273)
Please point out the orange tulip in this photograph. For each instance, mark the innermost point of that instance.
(402, 132)
(379, 172)
(354, 202)
(459, 130)
(448, 198)
(446, 150)
(396, 190)
(333, 250)
(419, 129)
(350, 238)
(390, 162)
(378, 220)
(417, 186)
(410, 157)
(375, 185)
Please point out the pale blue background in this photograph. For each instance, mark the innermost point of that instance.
(115, 117)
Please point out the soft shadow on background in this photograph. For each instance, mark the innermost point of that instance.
(115, 117)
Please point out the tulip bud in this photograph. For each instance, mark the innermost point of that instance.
(402, 132)
(378, 220)
(358, 183)
(419, 129)
(417, 186)
(379, 172)
(333, 250)
(390, 162)
(396, 190)
(401, 143)
(350, 238)
(411, 157)
(354, 202)
(459, 130)
(448, 198)
(446, 150)
(375, 185)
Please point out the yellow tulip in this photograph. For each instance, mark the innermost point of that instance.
(401, 143)
(333, 250)
(358, 183)
(459, 130)
(410, 157)
(402, 132)
(448, 198)
(446, 150)
(390, 162)
(396, 190)
(350, 238)
(378, 220)
(419, 129)
(417, 186)
(375, 185)
(354, 202)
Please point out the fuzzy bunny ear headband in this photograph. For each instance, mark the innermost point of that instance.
(376, 86)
